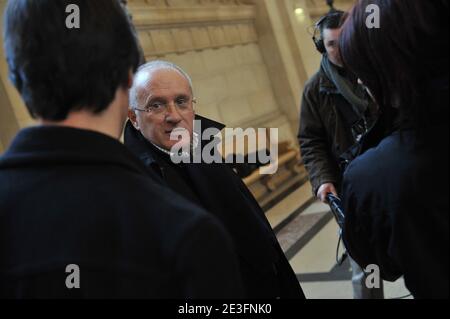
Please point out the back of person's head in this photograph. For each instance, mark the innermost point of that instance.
(404, 62)
(58, 69)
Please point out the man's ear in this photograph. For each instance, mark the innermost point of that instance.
(133, 118)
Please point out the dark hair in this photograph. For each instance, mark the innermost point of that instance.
(333, 20)
(404, 63)
(57, 69)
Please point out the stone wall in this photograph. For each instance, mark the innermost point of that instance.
(217, 43)
(318, 8)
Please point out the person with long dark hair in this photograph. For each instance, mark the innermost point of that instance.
(395, 195)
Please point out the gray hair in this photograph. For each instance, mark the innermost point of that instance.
(151, 67)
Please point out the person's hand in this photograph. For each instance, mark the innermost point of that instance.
(324, 190)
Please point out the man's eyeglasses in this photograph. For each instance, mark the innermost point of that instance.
(182, 105)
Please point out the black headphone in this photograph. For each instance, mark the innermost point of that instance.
(320, 45)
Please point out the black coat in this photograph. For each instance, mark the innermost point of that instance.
(71, 196)
(266, 273)
(395, 197)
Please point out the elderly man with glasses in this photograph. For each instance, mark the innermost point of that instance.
(162, 105)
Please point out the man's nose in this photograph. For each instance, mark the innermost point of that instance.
(173, 114)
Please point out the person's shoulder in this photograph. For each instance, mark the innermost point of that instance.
(143, 195)
(394, 156)
(150, 193)
(313, 83)
(162, 216)
(372, 161)
(179, 222)
(312, 92)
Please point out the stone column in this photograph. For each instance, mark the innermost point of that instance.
(288, 51)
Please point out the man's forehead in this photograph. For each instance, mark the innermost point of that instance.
(148, 80)
(332, 33)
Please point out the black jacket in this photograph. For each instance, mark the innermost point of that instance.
(266, 273)
(71, 196)
(325, 130)
(395, 197)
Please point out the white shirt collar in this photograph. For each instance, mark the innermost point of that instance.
(194, 145)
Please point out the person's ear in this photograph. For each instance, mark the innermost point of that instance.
(133, 118)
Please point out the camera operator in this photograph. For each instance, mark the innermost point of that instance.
(336, 112)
